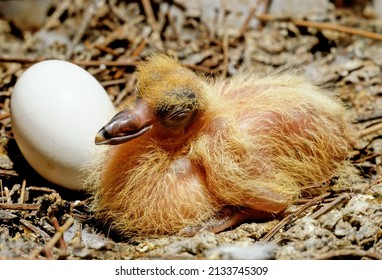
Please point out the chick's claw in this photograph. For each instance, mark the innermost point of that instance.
(228, 217)
(224, 219)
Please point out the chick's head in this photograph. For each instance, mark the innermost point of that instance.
(169, 100)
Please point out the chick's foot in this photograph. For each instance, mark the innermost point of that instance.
(228, 217)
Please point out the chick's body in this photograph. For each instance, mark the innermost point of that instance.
(248, 142)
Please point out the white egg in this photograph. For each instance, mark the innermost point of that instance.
(56, 110)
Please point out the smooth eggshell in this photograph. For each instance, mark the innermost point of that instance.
(56, 110)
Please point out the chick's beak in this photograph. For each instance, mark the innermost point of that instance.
(125, 126)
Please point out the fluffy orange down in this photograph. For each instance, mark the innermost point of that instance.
(195, 147)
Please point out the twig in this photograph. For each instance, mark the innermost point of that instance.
(293, 216)
(22, 193)
(361, 119)
(367, 158)
(22, 60)
(202, 68)
(325, 25)
(307, 191)
(36, 230)
(88, 63)
(335, 203)
(53, 240)
(372, 129)
(137, 51)
(42, 189)
(300, 201)
(52, 20)
(4, 116)
(250, 16)
(150, 15)
(347, 253)
(126, 62)
(15, 189)
(8, 173)
(375, 183)
(115, 11)
(57, 228)
(2, 191)
(225, 54)
(106, 49)
(76, 241)
(114, 82)
(5, 93)
(29, 207)
(128, 89)
(89, 13)
(7, 196)
(174, 28)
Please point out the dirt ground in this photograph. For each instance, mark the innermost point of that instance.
(338, 48)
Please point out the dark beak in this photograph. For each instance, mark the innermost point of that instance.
(125, 126)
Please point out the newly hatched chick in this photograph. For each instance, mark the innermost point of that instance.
(189, 154)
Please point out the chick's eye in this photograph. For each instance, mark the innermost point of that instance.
(177, 118)
(179, 115)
